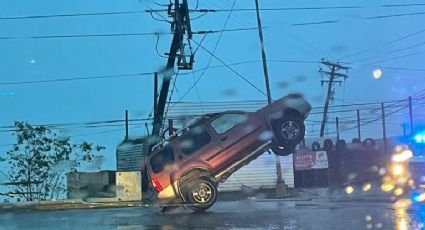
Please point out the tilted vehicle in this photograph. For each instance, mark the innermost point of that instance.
(187, 168)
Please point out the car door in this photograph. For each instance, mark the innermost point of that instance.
(198, 142)
(233, 130)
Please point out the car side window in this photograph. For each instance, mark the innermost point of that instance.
(196, 138)
(227, 121)
(162, 159)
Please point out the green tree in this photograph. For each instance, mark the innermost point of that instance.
(40, 159)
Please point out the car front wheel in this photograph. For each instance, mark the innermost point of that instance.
(288, 131)
(200, 193)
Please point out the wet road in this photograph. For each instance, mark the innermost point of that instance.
(321, 213)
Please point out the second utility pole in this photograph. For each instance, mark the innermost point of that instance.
(332, 75)
(280, 183)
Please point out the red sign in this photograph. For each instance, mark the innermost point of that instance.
(305, 159)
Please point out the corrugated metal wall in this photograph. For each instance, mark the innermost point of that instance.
(130, 157)
(260, 173)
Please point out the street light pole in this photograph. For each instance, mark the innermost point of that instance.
(280, 183)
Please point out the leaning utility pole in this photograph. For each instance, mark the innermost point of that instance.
(280, 183)
(333, 75)
(180, 26)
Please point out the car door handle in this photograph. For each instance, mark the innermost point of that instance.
(224, 138)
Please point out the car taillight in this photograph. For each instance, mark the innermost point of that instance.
(156, 185)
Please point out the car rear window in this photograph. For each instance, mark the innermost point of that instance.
(162, 158)
(196, 138)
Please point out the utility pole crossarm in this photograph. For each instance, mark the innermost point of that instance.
(335, 74)
(332, 75)
(336, 65)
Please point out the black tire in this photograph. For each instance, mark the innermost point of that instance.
(281, 151)
(315, 146)
(200, 193)
(328, 145)
(289, 130)
(341, 145)
(356, 141)
(369, 143)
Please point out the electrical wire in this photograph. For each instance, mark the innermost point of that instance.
(156, 47)
(396, 58)
(402, 38)
(280, 9)
(395, 15)
(315, 23)
(200, 16)
(197, 91)
(392, 107)
(194, 10)
(211, 55)
(72, 15)
(144, 74)
(401, 68)
(392, 52)
(151, 11)
(121, 34)
(77, 79)
(231, 69)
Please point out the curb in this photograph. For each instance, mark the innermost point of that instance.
(67, 204)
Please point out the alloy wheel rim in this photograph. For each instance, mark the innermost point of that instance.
(202, 193)
(290, 130)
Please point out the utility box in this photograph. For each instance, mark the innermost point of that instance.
(130, 155)
(129, 186)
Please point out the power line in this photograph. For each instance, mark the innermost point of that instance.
(211, 56)
(281, 9)
(395, 15)
(65, 15)
(404, 5)
(395, 58)
(121, 34)
(143, 74)
(393, 51)
(231, 69)
(71, 15)
(401, 68)
(315, 23)
(77, 79)
(404, 37)
(214, 107)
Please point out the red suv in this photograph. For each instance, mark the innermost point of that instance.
(187, 168)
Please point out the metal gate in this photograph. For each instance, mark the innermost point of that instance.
(260, 174)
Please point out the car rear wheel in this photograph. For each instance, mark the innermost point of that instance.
(200, 193)
(280, 150)
(289, 131)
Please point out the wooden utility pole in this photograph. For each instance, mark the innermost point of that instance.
(180, 27)
(280, 183)
(358, 125)
(411, 116)
(337, 128)
(384, 130)
(155, 93)
(332, 75)
(126, 124)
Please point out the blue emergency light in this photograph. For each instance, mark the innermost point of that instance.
(419, 138)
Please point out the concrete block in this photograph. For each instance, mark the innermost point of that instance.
(129, 186)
